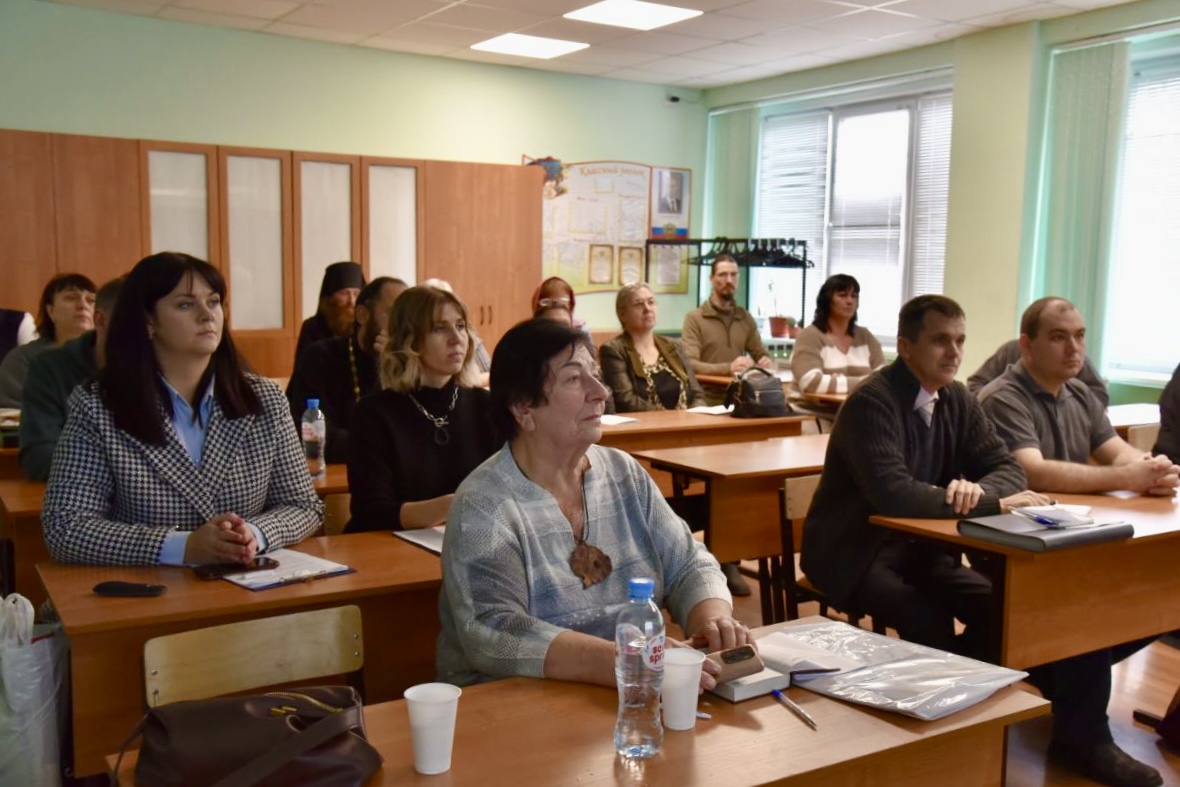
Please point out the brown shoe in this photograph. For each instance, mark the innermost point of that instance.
(1104, 763)
(733, 577)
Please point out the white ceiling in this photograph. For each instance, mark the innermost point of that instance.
(733, 41)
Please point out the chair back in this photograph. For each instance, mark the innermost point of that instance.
(337, 512)
(1143, 436)
(797, 496)
(251, 654)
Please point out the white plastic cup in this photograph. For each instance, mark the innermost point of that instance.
(682, 680)
(432, 708)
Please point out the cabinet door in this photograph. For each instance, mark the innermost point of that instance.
(327, 221)
(483, 235)
(180, 197)
(27, 229)
(391, 219)
(256, 254)
(98, 212)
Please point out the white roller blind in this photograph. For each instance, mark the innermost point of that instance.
(932, 174)
(1140, 333)
(791, 203)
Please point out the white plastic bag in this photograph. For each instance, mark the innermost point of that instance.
(33, 670)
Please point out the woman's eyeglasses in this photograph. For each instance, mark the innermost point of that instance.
(554, 303)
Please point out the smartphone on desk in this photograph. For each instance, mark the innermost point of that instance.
(219, 570)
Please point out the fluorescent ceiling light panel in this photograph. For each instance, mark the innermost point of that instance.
(633, 14)
(529, 46)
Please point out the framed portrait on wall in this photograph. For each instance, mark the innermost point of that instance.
(671, 193)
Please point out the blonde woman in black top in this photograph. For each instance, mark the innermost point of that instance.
(412, 443)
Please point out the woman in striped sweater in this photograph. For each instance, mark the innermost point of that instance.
(834, 354)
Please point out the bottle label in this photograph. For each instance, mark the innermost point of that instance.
(314, 431)
(653, 653)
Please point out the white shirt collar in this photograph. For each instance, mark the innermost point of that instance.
(924, 397)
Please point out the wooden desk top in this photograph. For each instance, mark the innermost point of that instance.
(725, 379)
(826, 398)
(10, 463)
(657, 421)
(779, 456)
(569, 727)
(1153, 518)
(21, 498)
(380, 560)
(334, 482)
(1124, 415)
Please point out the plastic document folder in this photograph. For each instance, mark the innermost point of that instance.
(429, 538)
(293, 567)
(882, 672)
(1021, 532)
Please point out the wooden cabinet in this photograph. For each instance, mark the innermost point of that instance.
(28, 233)
(270, 220)
(98, 215)
(483, 235)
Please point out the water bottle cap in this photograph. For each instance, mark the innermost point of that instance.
(313, 404)
(641, 588)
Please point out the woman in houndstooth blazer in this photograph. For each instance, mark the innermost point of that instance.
(176, 455)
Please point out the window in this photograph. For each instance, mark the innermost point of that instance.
(866, 187)
(1140, 337)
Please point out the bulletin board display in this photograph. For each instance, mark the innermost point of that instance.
(597, 215)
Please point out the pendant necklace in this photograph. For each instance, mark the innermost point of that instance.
(589, 562)
(441, 435)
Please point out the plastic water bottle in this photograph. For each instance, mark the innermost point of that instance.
(315, 437)
(639, 673)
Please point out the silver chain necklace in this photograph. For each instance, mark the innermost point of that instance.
(441, 435)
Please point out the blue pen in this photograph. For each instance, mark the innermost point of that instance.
(793, 708)
(1040, 520)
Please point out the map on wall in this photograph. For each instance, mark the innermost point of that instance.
(595, 222)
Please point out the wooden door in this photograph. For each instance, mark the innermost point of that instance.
(483, 235)
(97, 198)
(27, 230)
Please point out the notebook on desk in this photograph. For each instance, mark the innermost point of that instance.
(1021, 532)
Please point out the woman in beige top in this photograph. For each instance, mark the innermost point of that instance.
(834, 355)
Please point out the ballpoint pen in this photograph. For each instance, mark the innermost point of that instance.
(1040, 520)
(793, 708)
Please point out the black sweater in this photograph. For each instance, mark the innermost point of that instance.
(393, 457)
(870, 469)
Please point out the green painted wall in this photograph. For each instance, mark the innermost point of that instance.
(75, 70)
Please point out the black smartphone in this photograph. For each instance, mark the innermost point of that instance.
(127, 589)
(219, 570)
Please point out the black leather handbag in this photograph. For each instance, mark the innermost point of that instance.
(756, 393)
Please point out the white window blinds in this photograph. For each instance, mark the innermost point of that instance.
(791, 203)
(1140, 336)
(932, 172)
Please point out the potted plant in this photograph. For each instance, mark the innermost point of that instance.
(792, 327)
(779, 326)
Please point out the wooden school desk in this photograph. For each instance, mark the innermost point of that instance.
(24, 547)
(529, 731)
(20, 537)
(396, 586)
(677, 428)
(9, 464)
(742, 482)
(1075, 600)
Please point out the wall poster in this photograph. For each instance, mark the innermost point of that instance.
(597, 215)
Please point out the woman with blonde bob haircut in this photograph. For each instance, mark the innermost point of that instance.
(412, 443)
